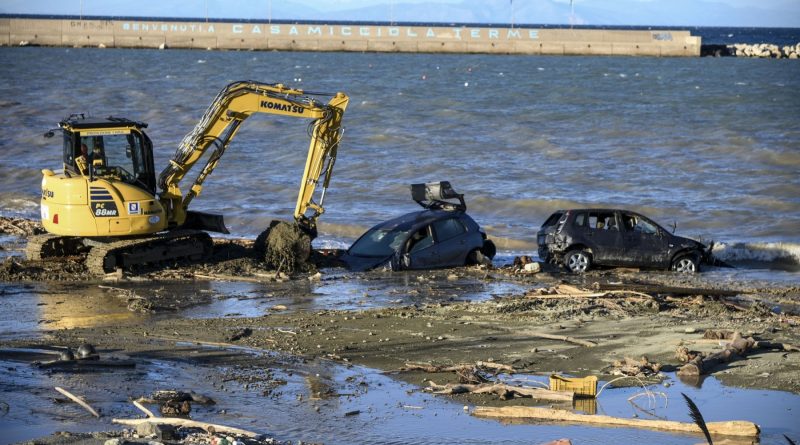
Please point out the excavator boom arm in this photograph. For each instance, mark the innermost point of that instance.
(222, 120)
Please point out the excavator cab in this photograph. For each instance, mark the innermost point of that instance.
(107, 187)
(109, 148)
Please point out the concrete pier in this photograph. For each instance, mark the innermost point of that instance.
(146, 33)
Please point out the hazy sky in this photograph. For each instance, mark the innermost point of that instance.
(770, 13)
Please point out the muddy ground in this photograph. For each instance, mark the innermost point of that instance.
(665, 312)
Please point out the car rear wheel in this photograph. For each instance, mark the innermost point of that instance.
(578, 261)
(489, 250)
(477, 257)
(686, 264)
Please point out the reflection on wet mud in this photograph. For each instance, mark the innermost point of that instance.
(46, 307)
(320, 401)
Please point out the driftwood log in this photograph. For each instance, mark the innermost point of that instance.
(78, 363)
(731, 428)
(177, 421)
(427, 367)
(566, 291)
(504, 391)
(701, 364)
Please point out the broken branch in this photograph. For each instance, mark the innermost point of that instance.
(78, 400)
(577, 341)
(177, 421)
(141, 407)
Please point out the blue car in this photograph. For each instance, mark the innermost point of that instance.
(442, 235)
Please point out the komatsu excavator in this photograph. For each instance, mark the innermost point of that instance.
(105, 203)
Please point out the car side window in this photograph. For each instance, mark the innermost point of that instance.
(448, 228)
(553, 219)
(580, 220)
(645, 226)
(638, 224)
(420, 239)
(602, 221)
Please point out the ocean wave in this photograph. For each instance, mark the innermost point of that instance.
(18, 207)
(771, 255)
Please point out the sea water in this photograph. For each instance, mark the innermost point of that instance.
(711, 144)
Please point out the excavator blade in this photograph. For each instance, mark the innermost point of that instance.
(205, 221)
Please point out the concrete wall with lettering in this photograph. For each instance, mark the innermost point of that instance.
(356, 37)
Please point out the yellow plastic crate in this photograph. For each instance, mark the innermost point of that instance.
(581, 386)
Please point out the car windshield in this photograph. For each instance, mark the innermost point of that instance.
(379, 243)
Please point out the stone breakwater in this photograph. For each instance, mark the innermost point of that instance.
(357, 37)
(758, 50)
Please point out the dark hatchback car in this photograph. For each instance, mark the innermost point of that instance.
(581, 238)
(442, 235)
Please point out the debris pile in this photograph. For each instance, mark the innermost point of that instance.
(641, 368)
(698, 363)
(20, 227)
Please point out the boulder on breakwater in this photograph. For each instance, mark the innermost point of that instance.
(759, 50)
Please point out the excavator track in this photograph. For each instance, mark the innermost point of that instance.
(174, 245)
(104, 257)
(45, 246)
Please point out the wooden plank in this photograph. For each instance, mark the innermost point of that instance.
(739, 428)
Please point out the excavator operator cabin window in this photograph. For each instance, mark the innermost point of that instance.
(70, 153)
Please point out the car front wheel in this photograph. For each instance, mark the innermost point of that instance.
(686, 264)
(578, 261)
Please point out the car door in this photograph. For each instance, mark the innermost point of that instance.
(645, 242)
(450, 237)
(422, 251)
(601, 234)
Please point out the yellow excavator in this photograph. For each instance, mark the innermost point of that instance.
(104, 203)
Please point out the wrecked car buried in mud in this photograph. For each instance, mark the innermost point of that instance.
(582, 238)
(442, 235)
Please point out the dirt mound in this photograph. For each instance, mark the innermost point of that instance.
(69, 269)
(20, 227)
(285, 247)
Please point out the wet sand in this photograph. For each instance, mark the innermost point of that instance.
(444, 330)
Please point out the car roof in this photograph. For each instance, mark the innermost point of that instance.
(418, 219)
(598, 210)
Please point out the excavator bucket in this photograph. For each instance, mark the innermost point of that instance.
(205, 221)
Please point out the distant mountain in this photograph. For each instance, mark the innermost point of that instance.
(772, 13)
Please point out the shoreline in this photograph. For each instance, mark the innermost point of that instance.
(608, 321)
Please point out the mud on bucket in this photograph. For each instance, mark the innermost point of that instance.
(284, 246)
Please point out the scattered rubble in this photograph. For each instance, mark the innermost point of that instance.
(20, 226)
(641, 368)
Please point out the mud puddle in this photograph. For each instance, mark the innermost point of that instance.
(338, 290)
(29, 308)
(323, 402)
